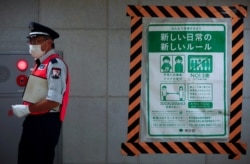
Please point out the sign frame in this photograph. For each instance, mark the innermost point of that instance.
(234, 147)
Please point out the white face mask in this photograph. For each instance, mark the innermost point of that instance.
(35, 51)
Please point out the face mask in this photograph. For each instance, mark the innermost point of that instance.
(35, 51)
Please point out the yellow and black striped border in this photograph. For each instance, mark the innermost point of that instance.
(234, 147)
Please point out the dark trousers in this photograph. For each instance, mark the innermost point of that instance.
(39, 138)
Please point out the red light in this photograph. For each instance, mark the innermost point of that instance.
(22, 65)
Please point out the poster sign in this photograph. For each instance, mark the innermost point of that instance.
(187, 80)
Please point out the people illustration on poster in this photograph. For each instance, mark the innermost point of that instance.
(166, 66)
(167, 61)
(170, 92)
(178, 64)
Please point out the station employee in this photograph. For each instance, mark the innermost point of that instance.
(44, 100)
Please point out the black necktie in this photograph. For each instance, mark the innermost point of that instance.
(38, 62)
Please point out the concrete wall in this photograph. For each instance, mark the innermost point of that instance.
(95, 40)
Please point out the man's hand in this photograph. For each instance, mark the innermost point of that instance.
(20, 110)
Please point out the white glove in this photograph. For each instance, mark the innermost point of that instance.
(20, 110)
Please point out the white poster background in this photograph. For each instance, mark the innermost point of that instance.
(157, 133)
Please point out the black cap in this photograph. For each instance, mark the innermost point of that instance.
(37, 29)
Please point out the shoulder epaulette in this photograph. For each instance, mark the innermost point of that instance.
(53, 61)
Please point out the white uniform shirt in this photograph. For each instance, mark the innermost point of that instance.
(56, 77)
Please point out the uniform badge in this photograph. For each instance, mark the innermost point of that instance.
(56, 73)
(41, 67)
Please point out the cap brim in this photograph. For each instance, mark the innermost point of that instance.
(34, 36)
